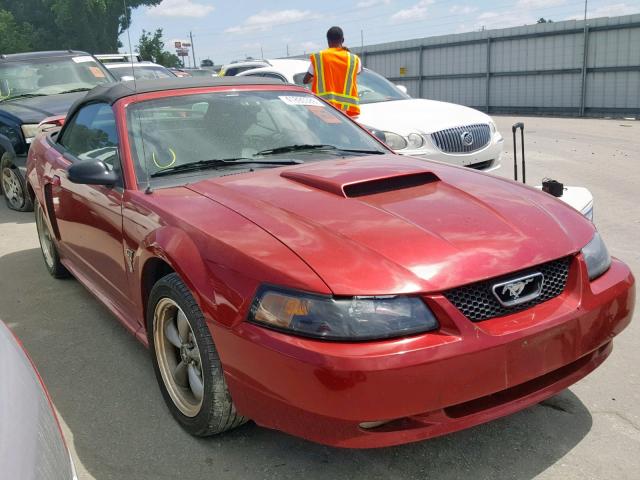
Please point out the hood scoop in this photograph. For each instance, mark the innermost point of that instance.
(362, 187)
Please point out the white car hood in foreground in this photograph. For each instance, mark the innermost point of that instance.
(418, 115)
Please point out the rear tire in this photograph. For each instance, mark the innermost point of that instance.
(48, 246)
(186, 362)
(14, 187)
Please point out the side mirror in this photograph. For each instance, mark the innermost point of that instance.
(403, 89)
(129, 78)
(92, 172)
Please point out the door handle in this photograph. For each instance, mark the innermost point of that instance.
(55, 180)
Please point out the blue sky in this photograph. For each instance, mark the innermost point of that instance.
(225, 31)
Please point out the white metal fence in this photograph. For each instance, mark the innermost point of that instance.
(551, 68)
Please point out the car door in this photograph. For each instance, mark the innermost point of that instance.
(88, 218)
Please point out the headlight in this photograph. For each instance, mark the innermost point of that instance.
(29, 131)
(492, 128)
(596, 256)
(588, 212)
(415, 141)
(347, 319)
(395, 141)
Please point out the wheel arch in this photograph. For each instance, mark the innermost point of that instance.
(6, 146)
(170, 250)
(153, 270)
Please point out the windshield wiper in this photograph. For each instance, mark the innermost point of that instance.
(217, 162)
(295, 148)
(23, 95)
(357, 150)
(74, 90)
(298, 148)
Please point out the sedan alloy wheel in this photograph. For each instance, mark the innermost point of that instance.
(12, 188)
(178, 357)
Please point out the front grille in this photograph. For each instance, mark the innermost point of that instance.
(477, 302)
(451, 139)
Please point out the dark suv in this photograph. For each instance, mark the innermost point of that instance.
(34, 86)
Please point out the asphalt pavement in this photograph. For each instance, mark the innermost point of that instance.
(117, 426)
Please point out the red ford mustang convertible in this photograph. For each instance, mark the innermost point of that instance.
(285, 266)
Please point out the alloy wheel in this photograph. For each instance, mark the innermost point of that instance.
(178, 357)
(44, 235)
(12, 187)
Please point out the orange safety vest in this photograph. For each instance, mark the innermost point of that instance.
(335, 71)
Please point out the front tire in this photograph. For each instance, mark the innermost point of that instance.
(186, 361)
(48, 247)
(14, 187)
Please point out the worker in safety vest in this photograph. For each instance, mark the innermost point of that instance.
(334, 72)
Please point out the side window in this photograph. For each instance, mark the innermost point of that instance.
(91, 135)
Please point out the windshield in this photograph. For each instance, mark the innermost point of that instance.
(142, 73)
(256, 126)
(49, 76)
(372, 88)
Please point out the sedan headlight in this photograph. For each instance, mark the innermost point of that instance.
(596, 256)
(492, 128)
(415, 141)
(347, 319)
(29, 131)
(395, 141)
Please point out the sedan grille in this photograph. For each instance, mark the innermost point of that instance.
(463, 139)
(477, 302)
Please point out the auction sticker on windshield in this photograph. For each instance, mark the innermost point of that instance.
(324, 114)
(304, 101)
(96, 72)
(83, 59)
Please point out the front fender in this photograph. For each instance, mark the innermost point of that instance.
(6, 146)
(174, 247)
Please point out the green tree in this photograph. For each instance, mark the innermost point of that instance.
(151, 48)
(90, 25)
(544, 20)
(14, 38)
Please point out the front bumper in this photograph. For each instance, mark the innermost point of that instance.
(431, 384)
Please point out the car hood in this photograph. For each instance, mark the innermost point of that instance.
(36, 109)
(429, 228)
(418, 115)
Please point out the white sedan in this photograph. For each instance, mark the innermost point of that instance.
(418, 127)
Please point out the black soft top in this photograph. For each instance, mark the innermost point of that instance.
(16, 57)
(112, 92)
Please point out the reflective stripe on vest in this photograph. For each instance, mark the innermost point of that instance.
(344, 96)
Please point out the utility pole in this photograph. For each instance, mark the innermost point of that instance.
(585, 11)
(361, 41)
(287, 50)
(261, 53)
(585, 57)
(193, 49)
